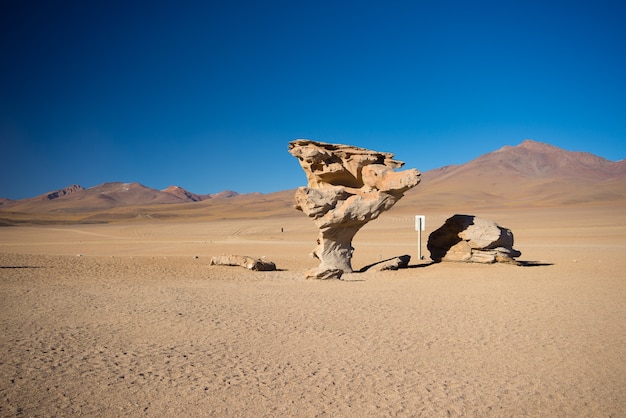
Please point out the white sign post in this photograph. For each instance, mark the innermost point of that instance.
(420, 225)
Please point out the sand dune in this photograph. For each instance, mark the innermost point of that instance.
(140, 324)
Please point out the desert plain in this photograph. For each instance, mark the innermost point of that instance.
(128, 318)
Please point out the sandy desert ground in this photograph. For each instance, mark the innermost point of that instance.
(129, 319)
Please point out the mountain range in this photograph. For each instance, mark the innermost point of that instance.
(530, 174)
(107, 196)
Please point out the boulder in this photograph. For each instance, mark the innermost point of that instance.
(347, 187)
(467, 238)
(243, 261)
(324, 274)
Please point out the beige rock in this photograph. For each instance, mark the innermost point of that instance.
(467, 238)
(347, 187)
(243, 261)
(324, 274)
(396, 263)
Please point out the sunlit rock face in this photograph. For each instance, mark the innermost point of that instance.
(347, 187)
(468, 238)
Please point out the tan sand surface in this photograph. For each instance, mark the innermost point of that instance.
(140, 325)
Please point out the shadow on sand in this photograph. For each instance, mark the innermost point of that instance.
(527, 263)
(530, 263)
(369, 266)
(21, 267)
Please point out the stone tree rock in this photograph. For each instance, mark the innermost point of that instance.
(471, 239)
(347, 187)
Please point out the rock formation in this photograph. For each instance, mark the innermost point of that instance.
(347, 187)
(243, 261)
(395, 263)
(471, 239)
(62, 192)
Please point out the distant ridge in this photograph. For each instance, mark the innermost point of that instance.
(529, 174)
(532, 159)
(5, 202)
(225, 194)
(538, 159)
(106, 196)
(188, 196)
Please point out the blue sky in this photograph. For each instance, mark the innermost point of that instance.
(207, 94)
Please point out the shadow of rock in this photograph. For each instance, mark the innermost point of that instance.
(530, 263)
(21, 267)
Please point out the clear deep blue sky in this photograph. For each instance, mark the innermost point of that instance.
(206, 95)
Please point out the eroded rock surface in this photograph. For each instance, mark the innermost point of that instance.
(395, 263)
(470, 239)
(243, 261)
(347, 187)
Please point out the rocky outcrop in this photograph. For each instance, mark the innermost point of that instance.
(395, 263)
(347, 187)
(470, 239)
(63, 192)
(183, 194)
(188, 196)
(6, 202)
(243, 261)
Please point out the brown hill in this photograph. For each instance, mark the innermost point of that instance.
(184, 195)
(226, 194)
(112, 201)
(530, 174)
(75, 199)
(6, 202)
(188, 196)
(34, 203)
(533, 159)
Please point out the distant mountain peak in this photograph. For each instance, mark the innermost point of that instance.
(171, 188)
(183, 194)
(225, 193)
(532, 144)
(533, 159)
(193, 197)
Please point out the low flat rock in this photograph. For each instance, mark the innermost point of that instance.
(396, 263)
(243, 261)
